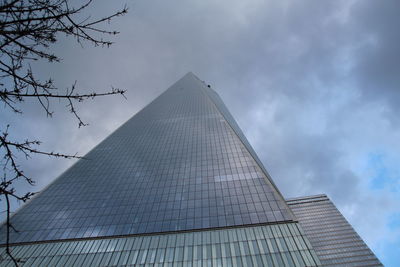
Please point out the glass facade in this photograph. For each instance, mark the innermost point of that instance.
(181, 163)
(269, 245)
(178, 185)
(334, 240)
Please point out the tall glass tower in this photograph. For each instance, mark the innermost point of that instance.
(177, 185)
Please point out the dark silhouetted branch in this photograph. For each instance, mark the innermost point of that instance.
(27, 29)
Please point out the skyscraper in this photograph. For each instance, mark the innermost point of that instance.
(177, 185)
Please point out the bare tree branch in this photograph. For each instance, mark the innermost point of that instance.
(9, 227)
(27, 29)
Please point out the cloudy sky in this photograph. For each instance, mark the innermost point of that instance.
(313, 84)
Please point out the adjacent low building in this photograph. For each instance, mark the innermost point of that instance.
(332, 237)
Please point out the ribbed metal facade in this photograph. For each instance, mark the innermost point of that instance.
(269, 245)
(334, 240)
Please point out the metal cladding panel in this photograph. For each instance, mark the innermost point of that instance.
(332, 237)
(259, 246)
(176, 165)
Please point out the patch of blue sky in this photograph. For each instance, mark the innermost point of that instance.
(394, 222)
(391, 255)
(383, 173)
(384, 176)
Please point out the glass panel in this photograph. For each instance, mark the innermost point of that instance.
(249, 252)
(184, 135)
